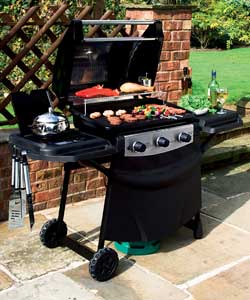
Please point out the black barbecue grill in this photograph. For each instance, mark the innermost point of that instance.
(154, 181)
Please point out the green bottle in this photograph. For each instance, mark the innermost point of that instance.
(212, 87)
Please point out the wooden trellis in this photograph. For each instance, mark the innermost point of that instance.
(30, 44)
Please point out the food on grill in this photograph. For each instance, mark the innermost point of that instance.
(124, 116)
(156, 110)
(140, 117)
(108, 113)
(130, 87)
(97, 91)
(120, 112)
(114, 120)
(129, 119)
(95, 115)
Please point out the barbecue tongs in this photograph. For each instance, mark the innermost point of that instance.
(21, 190)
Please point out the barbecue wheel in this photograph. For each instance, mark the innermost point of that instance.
(49, 235)
(198, 231)
(103, 264)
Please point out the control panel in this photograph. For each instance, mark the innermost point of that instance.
(158, 141)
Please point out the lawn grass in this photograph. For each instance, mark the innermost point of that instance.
(233, 71)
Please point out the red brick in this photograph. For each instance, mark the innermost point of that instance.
(162, 76)
(162, 15)
(5, 148)
(76, 187)
(5, 194)
(185, 45)
(92, 173)
(53, 203)
(174, 96)
(32, 177)
(37, 165)
(172, 25)
(180, 55)
(5, 161)
(165, 55)
(169, 66)
(176, 75)
(39, 186)
(54, 164)
(100, 192)
(5, 172)
(167, 36)
(47, 174)
(172, 45)
(89, 194)
(80, 177)
(77, 197)
(95, 183)
(180, 35)
(47, 195)
(55, 182)
(170, 86)
(5, 183)
(139, 14)
(184, 15)
(40, 206)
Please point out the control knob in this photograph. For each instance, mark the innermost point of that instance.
(162, 142)
(137, 147)
(184, 137)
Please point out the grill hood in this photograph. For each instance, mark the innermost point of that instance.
(84, 62)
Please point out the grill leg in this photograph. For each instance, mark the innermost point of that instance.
(67, 169)
(195, 224)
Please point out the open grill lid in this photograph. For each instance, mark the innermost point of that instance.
(84, 62)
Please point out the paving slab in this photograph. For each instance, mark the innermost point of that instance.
(226, 194)
(228, 182)
(181, 258)
(51, 287)
(233, 210)
(131, 283)
(22, 253)
(84, 217)
(233, 284)
(5, 281)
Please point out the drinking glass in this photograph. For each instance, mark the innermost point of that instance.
(222, 94)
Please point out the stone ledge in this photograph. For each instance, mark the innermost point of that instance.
(5, 133)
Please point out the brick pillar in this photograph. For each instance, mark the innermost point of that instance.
(176, 21)
(5, 179)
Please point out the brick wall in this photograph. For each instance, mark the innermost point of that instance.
(176, 46)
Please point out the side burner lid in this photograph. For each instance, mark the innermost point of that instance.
(110, 61)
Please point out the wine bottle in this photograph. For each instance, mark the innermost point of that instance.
(184, 81)
(190, 81)
(212, 87)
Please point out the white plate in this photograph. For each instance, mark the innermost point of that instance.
(199, 112)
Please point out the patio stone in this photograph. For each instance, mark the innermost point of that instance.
(234, 210)
(84, 217)
(132, 283)
(232, 284)
(22, 253)
(5, 281)
(228, 181)
(51, 287)
(182, 258)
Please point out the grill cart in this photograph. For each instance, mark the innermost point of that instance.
(154, 180)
